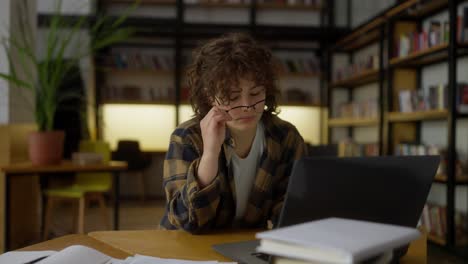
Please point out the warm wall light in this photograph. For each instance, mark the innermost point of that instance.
(152, 125)
(306, 119)
(185, 113)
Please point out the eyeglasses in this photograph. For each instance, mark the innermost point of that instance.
(237, 110)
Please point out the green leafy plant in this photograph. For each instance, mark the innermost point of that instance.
(43, 76)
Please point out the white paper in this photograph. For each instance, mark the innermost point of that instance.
(20, 257)
(77, 255)
(140, 259)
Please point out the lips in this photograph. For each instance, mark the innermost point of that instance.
(246, 118)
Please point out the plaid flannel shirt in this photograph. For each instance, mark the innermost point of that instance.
(198, 210)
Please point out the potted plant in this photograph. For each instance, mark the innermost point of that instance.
(43, 76)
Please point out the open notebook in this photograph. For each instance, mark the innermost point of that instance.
(81, 254)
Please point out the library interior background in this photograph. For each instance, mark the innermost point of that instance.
(357, 78)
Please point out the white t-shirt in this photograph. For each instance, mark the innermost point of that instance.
(245, 170)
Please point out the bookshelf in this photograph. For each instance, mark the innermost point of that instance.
(281, 6)
(417, 116)
(300, 75)
(352, 122)
(217, 5)
(179, 34)
(142, 2)
(406, 69)
(424, 57)
(138, 71)
(402, 75)
(437, 240)
(366, 77)
(348, 111)
(462, 180)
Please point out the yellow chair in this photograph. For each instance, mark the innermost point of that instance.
(87, 187)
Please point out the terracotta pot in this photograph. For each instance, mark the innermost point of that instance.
(46, 148)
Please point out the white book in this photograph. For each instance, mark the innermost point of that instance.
(405, 101)
(335, 240)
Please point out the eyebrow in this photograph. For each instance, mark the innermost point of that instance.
(251, 88)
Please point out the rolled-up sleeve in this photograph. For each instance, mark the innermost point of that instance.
(188, 206)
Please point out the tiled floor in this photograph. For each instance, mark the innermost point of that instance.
(137, 216)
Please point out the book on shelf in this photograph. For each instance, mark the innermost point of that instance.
(437, 34)
(434, 98)
(462, 98)
(350, 148)
(464, 26)
(414, 41)
(405, 101)
(138, 59)
(413, 149)
(362, 109)
(335, 240)
(368, 63)
(434, 221)
(438, 97)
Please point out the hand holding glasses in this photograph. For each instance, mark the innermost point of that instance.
(238, 110)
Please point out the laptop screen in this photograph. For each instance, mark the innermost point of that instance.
(389, 190)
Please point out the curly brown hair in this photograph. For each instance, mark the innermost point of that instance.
(220, 63)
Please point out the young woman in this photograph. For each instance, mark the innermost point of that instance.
(229, 166)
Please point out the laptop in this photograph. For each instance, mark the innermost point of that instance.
(390, 190)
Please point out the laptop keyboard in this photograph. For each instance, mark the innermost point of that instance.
(261, 256)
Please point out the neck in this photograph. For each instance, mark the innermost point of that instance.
(244, 140)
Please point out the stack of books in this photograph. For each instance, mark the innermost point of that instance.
(335, 240)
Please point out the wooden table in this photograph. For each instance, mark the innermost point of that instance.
(26, 168)
(178, 244)
(70, 240)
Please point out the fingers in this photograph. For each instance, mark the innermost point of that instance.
(219, 119)
(217, 112)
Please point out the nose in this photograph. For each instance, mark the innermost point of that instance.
(246, 100)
